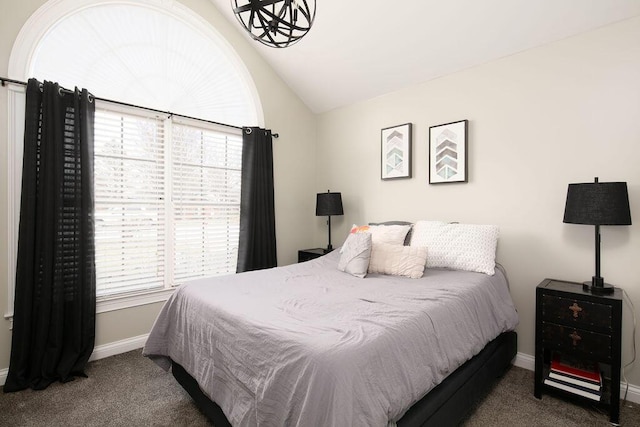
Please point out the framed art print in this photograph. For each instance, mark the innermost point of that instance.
(396, 152)
(448, 152)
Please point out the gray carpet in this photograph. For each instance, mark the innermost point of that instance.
(130, 390)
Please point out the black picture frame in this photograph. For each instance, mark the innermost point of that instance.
(448, 148)
(396, 152)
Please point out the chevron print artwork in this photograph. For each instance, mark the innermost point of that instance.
(396, 152)
(394, 155)
(448, 152)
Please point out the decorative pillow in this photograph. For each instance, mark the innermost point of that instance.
(356, 252)
(467, 247)
(398, 260)
(390, 234)
(407, 238)
(359, 229)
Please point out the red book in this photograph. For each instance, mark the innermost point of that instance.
(591, 374)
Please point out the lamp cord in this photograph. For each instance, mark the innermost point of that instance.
(633, 359)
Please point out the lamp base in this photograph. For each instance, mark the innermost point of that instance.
(605, 289)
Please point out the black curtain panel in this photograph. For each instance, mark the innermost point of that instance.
(55, 294)
(257, 246)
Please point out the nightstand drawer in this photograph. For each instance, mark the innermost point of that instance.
(577, 342)
(578, 313)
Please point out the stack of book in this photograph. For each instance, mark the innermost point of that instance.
(585, 381)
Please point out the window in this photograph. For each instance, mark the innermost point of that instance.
(126, 51)
(167, 200)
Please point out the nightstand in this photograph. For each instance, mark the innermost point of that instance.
(580, 326)
(309, 254)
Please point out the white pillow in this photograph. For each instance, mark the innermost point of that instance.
(390, 234)
(356, 252)
(467, 247)
(398, 260)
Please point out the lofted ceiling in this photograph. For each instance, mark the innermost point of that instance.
(360, 49)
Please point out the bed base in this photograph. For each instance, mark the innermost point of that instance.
(447, 404)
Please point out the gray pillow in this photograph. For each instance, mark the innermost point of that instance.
(355, 254)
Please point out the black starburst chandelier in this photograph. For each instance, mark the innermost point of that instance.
(275, 23)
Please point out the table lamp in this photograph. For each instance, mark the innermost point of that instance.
(597, 203)
(329, 204)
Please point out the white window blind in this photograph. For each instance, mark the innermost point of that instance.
(206, 201)
(167, 201)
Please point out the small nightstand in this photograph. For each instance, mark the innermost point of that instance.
(309, 254)
(574, 323)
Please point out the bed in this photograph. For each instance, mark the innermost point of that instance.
(308, 344)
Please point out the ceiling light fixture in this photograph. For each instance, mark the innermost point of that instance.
(275, 23)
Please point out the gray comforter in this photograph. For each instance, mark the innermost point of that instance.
(309, 345)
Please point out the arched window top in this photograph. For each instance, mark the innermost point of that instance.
(151, 53)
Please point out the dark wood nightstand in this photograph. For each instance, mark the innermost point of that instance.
(580, 326)
(309, 254)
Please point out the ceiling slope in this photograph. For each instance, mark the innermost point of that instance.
(360, 49)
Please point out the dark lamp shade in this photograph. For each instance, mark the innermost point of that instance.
(598, 203)
(329, 204)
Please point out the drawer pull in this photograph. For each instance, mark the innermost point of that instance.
(576, 310)
(575, 337)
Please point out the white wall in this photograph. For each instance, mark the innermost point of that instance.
(294, 167)
(538, 120)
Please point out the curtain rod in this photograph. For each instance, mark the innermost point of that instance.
(5, 80)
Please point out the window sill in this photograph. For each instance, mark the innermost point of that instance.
(112, 303)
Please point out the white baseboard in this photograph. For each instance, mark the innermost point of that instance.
(633, 395)
(527, 361)
(118, 347)
(102, 351)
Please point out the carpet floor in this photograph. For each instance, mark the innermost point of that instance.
(130, 390)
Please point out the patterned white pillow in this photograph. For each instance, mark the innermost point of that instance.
(398, 260)
(355, 254)
(467, 247)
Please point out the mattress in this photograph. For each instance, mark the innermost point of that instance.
(307, 344)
